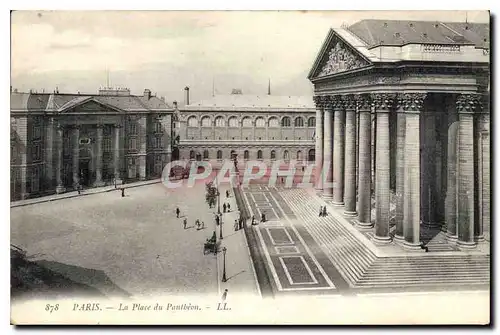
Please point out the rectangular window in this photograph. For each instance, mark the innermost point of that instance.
(158, 128)
(132, 144)
(37, 133)
(132, 128)
(37, 152)
(106, 143)
(157, 142)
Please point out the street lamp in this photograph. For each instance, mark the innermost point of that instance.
(224, 279)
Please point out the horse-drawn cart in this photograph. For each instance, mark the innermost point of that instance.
(211, 246)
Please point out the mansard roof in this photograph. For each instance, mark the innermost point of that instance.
(54, 102)
(252, 102)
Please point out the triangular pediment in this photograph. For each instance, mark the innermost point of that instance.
(337, 56)
(88, 104)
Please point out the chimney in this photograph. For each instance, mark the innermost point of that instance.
(175, 104)
(186, 95)
(147, 94)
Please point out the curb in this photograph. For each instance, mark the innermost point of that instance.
(42, 200)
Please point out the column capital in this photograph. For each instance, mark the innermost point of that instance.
(335, 102)
(363, 102)
(469, 103)
(99, 126)
(320, 101)
(349, 102)
(60, 126)
(411, 102)
(383, 101)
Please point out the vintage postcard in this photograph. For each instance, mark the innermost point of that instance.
(248, 167)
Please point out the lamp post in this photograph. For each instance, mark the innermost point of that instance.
(224, 279)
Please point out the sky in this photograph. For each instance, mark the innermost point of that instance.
(165, 51)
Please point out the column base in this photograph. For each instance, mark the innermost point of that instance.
(412, 246)
(382, 240)
(363, 225)
(98, 184)
(399, 238)
(431, 224)
(327, 197)
(350, 213)
(319, 191)
(479, 238)
(338, 203)
(463, 245)
(451, 238)
(60, 189)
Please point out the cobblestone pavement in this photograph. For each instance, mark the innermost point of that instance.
(136, 241)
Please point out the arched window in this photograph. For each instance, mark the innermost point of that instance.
(312, 155)
(311, 122)
(285, 122)
(205, 154)
(246, 154)
(285, 155)
(219, 154)
(299, 122)
(259, 154)
(205, 121)
(273, 122)
(233, 122)
(220, 122)
(192, 121)
(260, 122)
(299, 155)
(247, 122)
(273, 154)
(191, 154)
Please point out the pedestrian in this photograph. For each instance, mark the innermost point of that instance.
(202, 224)
(235, 225)
(185, 223)
(123, 192)
(228, 207)
(177, 211)
(324, 211)
(224, 207)
(227, 193)
(320, 210)
(241, 223)
(224, 295)
(217, 220)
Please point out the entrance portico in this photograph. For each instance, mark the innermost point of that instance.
(425, 147)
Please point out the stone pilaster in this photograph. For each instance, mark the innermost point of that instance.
(383, 103)
(412, 104)
(485, 175)
(98, 157)
(452, 164)
(328, 155)
(364, 184)
(319, 101)
(466, 106)
(338, 151)
(350, 156)
(400, 167)
(116, 152)
(59, 159)
(76, 156)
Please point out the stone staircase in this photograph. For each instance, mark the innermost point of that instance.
(361, 268)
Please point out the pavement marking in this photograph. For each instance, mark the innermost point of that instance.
(287, 250)
(266, 253)
(287, 273)
(290, 240)
(330, 283)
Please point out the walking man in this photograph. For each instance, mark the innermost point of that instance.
(227, 193)
(235, 225)
(228, 207)
(177, 211)
(185, 223)
(324, 211)
(224, 207)
(123, 192)
(320, 210)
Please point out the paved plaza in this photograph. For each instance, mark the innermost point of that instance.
(133, 246)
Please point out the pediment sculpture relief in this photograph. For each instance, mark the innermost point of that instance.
(341, 59)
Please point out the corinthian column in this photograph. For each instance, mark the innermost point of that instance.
(319, 144)
(76, 156)
(364, 169)
(59, 157)
(383, 104)
(400, 167)
(350, 156)
(466, 106)
(413, 104)
(338, 151)
(327, 155)
(98, 162)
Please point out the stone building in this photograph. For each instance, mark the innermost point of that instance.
(265, 127)
(62, 141)
(403, 109)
